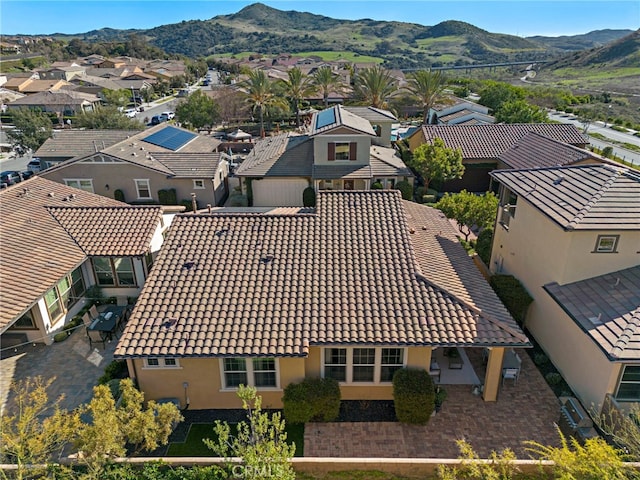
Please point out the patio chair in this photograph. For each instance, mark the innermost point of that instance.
(96, 336)
(93, 311)
(510, 374)
(86, 319)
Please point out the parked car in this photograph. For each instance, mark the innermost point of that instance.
(26, 174)
(158, 119)
(131, 112)
(10, 177)
(34, 165)
(169, 115)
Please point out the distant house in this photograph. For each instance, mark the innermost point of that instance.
(482, 146)
(61, 102)
(339, 153)
(34, 85)
(144, 165)
(354, 289)
(58, 241)
(571, 235)
(66, 73)
(461, 113)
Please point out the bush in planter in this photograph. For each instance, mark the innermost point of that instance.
(309, 197)
(413, 395)
(61, 336)
(116, 369)
(376, 185)
(553, 378)
(313, 399)
(406, 189)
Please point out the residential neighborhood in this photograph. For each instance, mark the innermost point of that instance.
(188, 228)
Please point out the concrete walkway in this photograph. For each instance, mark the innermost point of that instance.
(75, 367)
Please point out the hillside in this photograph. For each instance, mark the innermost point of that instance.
(585, 41)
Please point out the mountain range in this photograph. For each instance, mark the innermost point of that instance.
(261, 29)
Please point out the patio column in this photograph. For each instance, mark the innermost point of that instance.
(494, 374)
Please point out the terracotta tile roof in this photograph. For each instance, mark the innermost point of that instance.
(580, 197)
(283, 155)
(79, 143)
(607, 308)
(342, 118)
(57, 98)
(327, 172)
(537, 151)
(266, 284)
(110, 231)
(35, 251)
(492, 140)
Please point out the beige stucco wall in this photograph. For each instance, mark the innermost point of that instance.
(121, 176)
(320, 149)
(278, 192)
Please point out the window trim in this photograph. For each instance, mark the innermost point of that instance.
(377, 364)
(614, 248)
(198, 184)
(248, 365)
(114, 272)
(145, 180)
(161, 363)
(62, 298)
(79, 181)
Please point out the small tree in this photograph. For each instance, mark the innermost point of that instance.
(519, 111)
(501, 465)
(435, 162)
(469, 210)
(198, 110)
(406, 189)
(33, 128)
(312, 400)
(261, 441)
(309, 197)
(413, 395)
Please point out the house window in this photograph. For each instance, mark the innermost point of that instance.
(629, 387)
(254, 372)
(143, 189)
(82, 184)
(362, 365)
(391, 182)
(157, 362)
(342, 151)
(326, 185)
(112, 272)
(198, 184)
(24, 322)
(349, 184)
(65, 294)
(607, 244)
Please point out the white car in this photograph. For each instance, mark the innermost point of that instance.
(169, 115)
(131, 112)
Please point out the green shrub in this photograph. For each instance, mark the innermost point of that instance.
(540, 359)
(376, 185)
(483, 245)
(116, 369)
(61, 336)
(188, 205)
(119, 195)
(513, 294)
(312, 400)
(167, 196)
(114, 386)
(553, 378)
(406, 189)
(238, 201)
(429, 199)
(413, 396)
(309, 197)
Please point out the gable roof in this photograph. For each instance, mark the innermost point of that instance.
(607, 308)
(190, 165)
(537, 151)
(36, 249)
(492, 140)
(76, 143)
(275, 284)
(580, 197)
(283, 155)
(372, 114)
(330, 119)
(56, 98)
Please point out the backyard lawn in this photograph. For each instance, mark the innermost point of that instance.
(193, 446)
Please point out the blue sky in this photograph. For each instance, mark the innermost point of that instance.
(516, 17)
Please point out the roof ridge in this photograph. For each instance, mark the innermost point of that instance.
(594, 199)
(632, 327)
(475, 309)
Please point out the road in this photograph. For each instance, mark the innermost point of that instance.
(598, 127)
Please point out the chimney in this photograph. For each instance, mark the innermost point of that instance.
(194, 204)
(209, 207)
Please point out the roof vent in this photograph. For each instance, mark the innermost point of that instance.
(134, 154)
(267, 259)
(51, 194)
(188, 265)
(596, 320)
(558, 180)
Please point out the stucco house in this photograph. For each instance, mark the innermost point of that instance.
(163, 157)
(482, 146)
(61, 102)
(460, 112)
(355, 288)
(571, 235)
(57, 241)
(342, 151)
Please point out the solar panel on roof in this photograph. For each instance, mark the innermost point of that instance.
(170, 138)
(325, 117)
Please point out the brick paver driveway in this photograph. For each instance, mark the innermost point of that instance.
(525, 411)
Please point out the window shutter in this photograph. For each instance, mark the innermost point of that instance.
(332, 152)
(353, 150)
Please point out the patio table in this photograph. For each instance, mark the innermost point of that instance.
(107, 320)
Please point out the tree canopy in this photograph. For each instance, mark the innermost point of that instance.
(33, 128)
(326, 82)
(296, 88)
(373, 86)
(494, 94)
(469, 210)
(198, 110)
(427, 86)
(262, 94)
(106, 118)
(435, 162)
(520, 111)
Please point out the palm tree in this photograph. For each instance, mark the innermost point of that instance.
(427, 86)
(296, 89)
(374, 85)
(261, 94)
(327, 82)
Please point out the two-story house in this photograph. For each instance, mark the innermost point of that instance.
(341, 152)
(571, 235)
(58, 241)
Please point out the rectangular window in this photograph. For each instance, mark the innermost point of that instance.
(264, 372)
(363, 365)
(198, 184)
(342, 151)
(158, 362)
(364, 360)
(629, 387)
(235, 372)
(607, 244)
(335, 363)
(143, 189)
(52, 300)
(114, 272)
(65, 294)
(391, 361)
(80, 183)
(254, 372)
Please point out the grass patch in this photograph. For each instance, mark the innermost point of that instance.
(354, 475)
(332, 56)
(194, 446)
